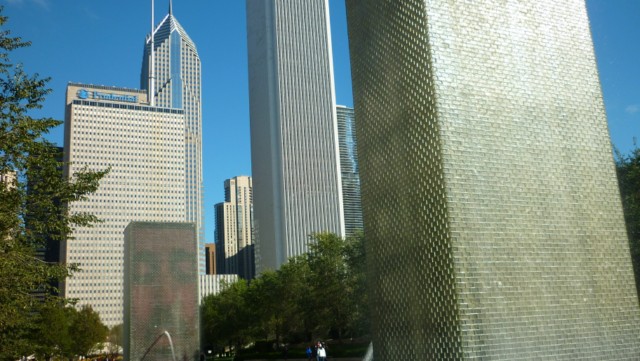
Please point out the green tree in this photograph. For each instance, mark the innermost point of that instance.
(51, 329)
(283, 298)
(33, 195)
(628, 168)
(332, 287)
(227, 316)
(356, 259)
(316, 295)
(88, 332)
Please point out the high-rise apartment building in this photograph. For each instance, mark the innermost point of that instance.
(491, 207)
(349, 170)
(294, 136)
(234, 228)
(177, 79)
(109, 127)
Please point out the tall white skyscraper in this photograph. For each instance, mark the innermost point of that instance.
(145, 148)
(178, 85)
(294, 147)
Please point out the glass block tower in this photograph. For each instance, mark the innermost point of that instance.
(294, 136)
(162, 315)
(178, 85)
(349, 170)
(491, 206)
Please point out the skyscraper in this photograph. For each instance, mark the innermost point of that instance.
(144, 146)
(234, 228)
(491, 207)
(294, 146)
(349, 169)
(177, 80)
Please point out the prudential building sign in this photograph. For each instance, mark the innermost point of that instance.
(92, 94)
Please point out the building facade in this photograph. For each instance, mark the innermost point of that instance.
(214, 284)
(294, 146)
(177, 79)
(110, 127)
(491, 207)
(234, 228)
(349, 169)
(162, 314)
(210, 258)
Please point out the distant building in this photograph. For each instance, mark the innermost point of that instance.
(210, 258)
(234, 229)
(7, 178)
(7, 184)
(161, 291)
(349, 170)
(178, 85)
(213, 284)
(294, 135)
(145, 149)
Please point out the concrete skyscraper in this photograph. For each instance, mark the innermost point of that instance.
(144, 146)
(234, 229)
(491, 208)
(177, 80)
(349, 170)
(294, 146)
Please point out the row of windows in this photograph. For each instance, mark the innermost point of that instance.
(98, 120)
(91, 103)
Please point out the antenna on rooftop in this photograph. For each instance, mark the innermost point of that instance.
(152, 60)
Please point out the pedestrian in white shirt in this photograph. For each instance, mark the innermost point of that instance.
(322, 353)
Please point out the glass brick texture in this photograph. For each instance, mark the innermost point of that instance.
(161, 291)
(490, 199)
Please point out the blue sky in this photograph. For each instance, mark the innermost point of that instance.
(100, 42)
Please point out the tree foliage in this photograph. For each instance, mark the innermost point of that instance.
(64, 332)
(33, 194)
(88, 331)
(319, 294)
(628, 168)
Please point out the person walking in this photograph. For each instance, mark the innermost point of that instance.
(322, 352)
(309, 353)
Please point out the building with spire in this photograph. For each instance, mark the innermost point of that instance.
(294, 136)
(176, 83)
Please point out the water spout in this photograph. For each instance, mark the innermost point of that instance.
(165, 333)
(369, 355)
